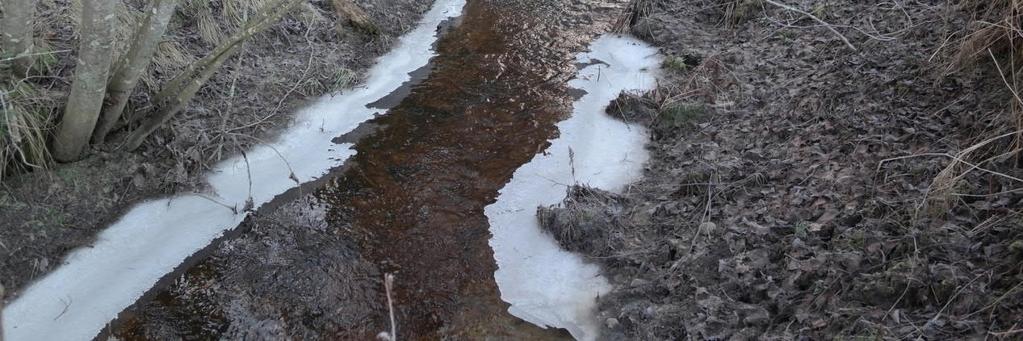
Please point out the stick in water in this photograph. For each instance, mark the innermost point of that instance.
(393, 336)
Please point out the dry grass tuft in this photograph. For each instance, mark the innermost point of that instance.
(169, 59)
(704, 80)
(995, 25)
(310, 15)
(215, 19)
(23, 129)
(209, 30)
(46, 57)
(635, 10)
(993, 37)
(740, 11)
(240, 10)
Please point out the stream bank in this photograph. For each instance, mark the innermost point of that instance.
(45, 214)
(789, 190)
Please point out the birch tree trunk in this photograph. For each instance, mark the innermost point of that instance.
(143, 46)
(89, 81)
(16, 28)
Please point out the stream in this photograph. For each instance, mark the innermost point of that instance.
(432, 170)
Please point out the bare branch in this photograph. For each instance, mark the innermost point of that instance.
(815, 18)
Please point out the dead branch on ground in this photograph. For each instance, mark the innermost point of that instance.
(815, 18)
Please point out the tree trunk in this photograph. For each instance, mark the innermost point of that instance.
(355, 15)
(180, 90)
(16, 28)
(143, 46)
(89, 82)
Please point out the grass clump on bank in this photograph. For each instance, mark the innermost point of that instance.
(24, 123)
(991, 44)
(679, 115)
(740, 11)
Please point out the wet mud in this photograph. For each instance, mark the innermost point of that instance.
(409, 203)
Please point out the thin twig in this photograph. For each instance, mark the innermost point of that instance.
(33, 54)
(1002, 74)
(248, 171)
(291, 176)
(393, 336)
(390, 307)
(706, 214)
(896, 302)
(67, 304)
(815, 18)
(950, 300)
(1011, 331)
(994, 304)
(215, 201)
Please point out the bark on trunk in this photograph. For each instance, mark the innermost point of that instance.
(143, 46)
(89, 81)
(355, 15)
(16, 28)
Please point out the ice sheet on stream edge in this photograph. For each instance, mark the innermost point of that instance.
(546, 285)
(95, 283)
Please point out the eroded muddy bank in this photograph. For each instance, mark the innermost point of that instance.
(409, 202)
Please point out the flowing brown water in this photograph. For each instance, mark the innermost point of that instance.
(412, 199)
